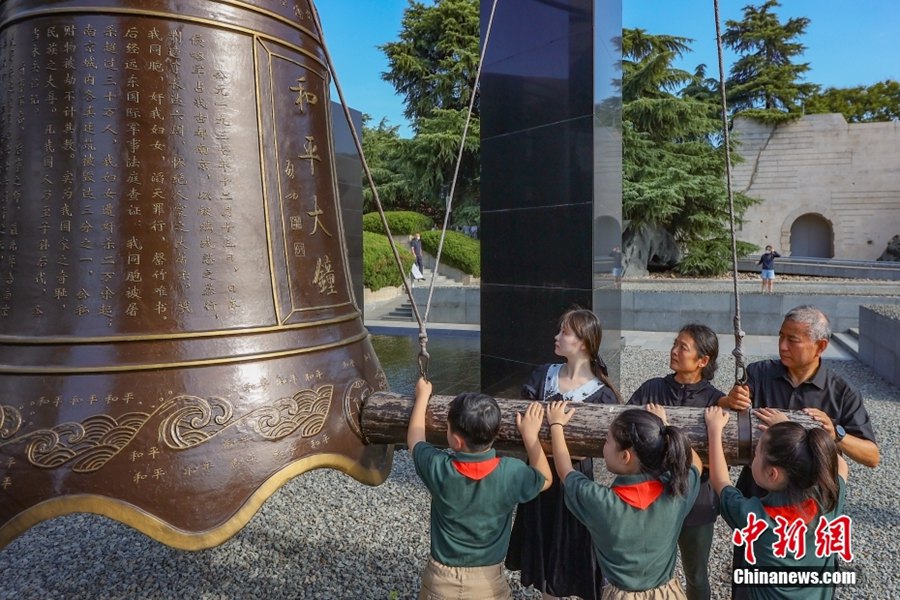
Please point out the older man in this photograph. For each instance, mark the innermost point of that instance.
(799, 381)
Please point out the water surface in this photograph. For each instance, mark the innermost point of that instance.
(455, 364)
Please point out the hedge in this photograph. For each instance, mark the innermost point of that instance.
(401, 222)
(459, 250)
(379, 265)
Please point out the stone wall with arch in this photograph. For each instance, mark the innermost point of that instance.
(820, 164)
(786, 247)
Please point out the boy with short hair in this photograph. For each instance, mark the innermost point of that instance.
(473, 493)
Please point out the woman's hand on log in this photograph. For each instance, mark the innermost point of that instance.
(530, 424)
(770, 416)
(737, 399)
(716, 417)
(557, 413)
(659, 411)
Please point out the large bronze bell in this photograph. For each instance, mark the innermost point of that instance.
(178, 334)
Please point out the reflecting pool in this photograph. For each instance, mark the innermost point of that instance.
(455, 365)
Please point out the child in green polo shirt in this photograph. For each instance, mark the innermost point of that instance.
(473, 493)
(798, 524)
(635, 522)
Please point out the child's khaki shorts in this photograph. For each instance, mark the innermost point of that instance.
(440, 582)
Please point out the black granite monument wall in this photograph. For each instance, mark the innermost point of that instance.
(551, 179)
(349, 177)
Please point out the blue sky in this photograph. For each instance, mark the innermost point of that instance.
(848, 43)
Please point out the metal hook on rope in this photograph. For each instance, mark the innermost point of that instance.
(424, 358)
(740, 369)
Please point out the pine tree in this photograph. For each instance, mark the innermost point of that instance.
(878, 102)
(673, 170)
(433, 65)
(764, 82)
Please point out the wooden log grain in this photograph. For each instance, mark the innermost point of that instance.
(384, 419)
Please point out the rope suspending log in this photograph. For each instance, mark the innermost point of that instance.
(740, 370)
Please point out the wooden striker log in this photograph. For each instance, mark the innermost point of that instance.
(385, 418)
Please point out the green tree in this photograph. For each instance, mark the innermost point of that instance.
(879, 102)
(433, 65)
(673, 171)
(434, 62)
(765, 82)
(385, 154)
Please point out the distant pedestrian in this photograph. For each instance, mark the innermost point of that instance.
(767, 261)
(617, 271)
(416, 245)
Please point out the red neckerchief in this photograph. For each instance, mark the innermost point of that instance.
(805, 511)
(639, 495)
(476, 470)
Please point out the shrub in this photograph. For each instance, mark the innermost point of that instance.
(459, 250)
(401, 222)
(379, 266)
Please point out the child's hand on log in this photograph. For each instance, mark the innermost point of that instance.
(530, 424)
(659, 411)
(557, 413)
(716, 418)
(423, 390)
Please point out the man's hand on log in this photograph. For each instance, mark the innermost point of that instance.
(557, 413)
(530, 424)
(820, 417)
(770, 416)
(737, 399)
(659, 411)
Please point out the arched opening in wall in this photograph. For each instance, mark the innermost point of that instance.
(812, 236)
(607, 233)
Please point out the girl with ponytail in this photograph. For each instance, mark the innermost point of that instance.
(806, 480)
(548, 544)
(634, 523)
(692, 360)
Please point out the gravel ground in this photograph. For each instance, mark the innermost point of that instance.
(323, 535)
(887, 310)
